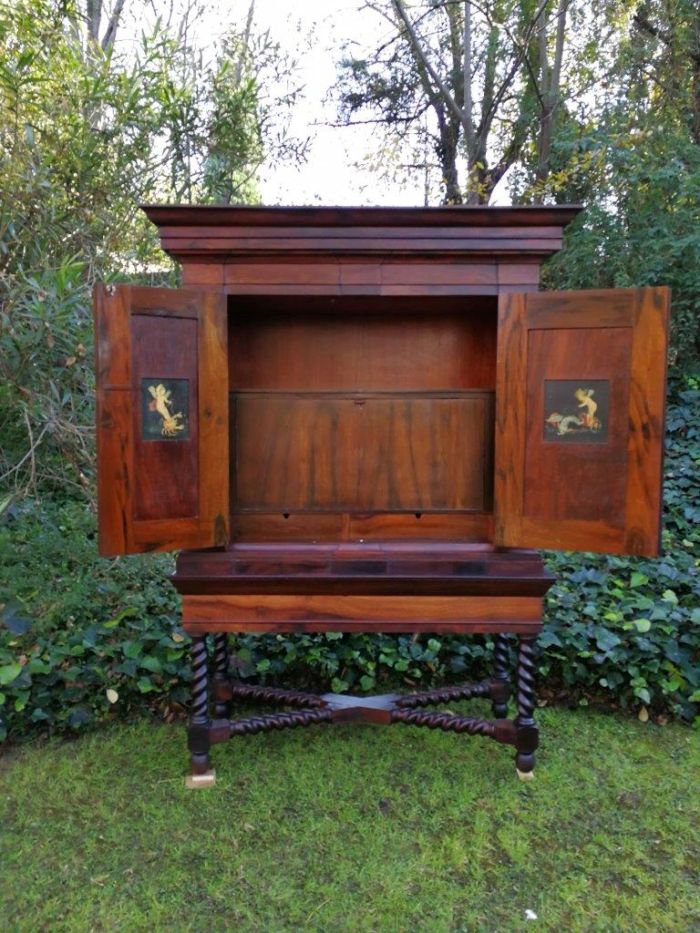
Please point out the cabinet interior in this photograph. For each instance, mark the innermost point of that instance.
(361, 417)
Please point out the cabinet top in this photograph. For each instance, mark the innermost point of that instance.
(331, 234)
(454, 216)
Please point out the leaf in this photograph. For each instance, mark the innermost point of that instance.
(9, 672)
(643, 714)
(638, 579)
(642, 625)
(670, 597)
(112, 623)
(14, 622)
(112, 695)
(145, 685)
(605, 639)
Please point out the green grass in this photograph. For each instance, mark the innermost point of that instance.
(355, 828)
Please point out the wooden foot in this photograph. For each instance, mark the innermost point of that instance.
(200, 781)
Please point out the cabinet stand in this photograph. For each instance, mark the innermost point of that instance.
(308, 709)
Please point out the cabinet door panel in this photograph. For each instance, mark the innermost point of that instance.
(162, 419)
(579, 420)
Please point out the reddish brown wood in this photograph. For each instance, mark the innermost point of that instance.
(371, 568)
(362, 453)
(346, 361)
(380, 251)
(352, 348)
(160, 494)
(165, 346)
(581, 496)
(357, 613)
(344, 526)
(198, 274)
(186, 215)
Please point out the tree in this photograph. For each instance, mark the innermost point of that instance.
(86, 133)
(633, 158)
(487, 76)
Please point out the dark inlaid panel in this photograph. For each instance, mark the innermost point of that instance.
(164, 360)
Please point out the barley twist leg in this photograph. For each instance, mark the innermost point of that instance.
(526, 727)
(222, 708)
(198, 732)
(500, 682)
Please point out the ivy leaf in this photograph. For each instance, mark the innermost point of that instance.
(14, 621)
(642, 625)
(9, 672)
(605, 639)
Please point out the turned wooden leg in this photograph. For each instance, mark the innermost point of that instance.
(526, 727)
(500, 681)
(198, 731)
(222, 708)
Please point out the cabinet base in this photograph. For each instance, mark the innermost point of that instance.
(307, 709)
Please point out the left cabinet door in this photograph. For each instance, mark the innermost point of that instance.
(162, 419)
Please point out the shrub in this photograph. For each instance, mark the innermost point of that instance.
(84, 639)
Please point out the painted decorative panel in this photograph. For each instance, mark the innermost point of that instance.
(165, 409)
(576, 410)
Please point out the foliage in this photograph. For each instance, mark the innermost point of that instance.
(74, 627)
(86, 133)
(355, 828)
(466, 90)
(634, 161)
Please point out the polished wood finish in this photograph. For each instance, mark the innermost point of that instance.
(348, 526)
(581, 496)
(349, 372)
(160, 494)
(359, 409)
(363, 452)
(361, 613)
(362, 346)
(400, 567)
(467, 251)
(306, 709)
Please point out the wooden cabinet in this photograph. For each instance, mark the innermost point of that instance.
(361, 419)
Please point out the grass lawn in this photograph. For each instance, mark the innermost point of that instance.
(355, 828)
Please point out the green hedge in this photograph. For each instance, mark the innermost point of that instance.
(83, 640)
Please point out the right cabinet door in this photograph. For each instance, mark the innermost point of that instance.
(580, 420)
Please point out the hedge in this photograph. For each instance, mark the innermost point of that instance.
(85, 640)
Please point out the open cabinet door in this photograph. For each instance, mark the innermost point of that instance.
(580, 420)
(162, 419)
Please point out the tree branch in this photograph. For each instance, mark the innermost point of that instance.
(425, 61)
(112, 26)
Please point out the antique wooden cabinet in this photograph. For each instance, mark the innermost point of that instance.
(365, 419)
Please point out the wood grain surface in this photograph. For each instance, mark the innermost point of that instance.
(358, 613)
(582, 495)
(160, 494)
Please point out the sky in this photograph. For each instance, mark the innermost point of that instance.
(330, 174)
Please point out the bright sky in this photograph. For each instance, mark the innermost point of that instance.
(330, 175)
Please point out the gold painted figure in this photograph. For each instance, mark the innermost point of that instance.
(162, 400)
